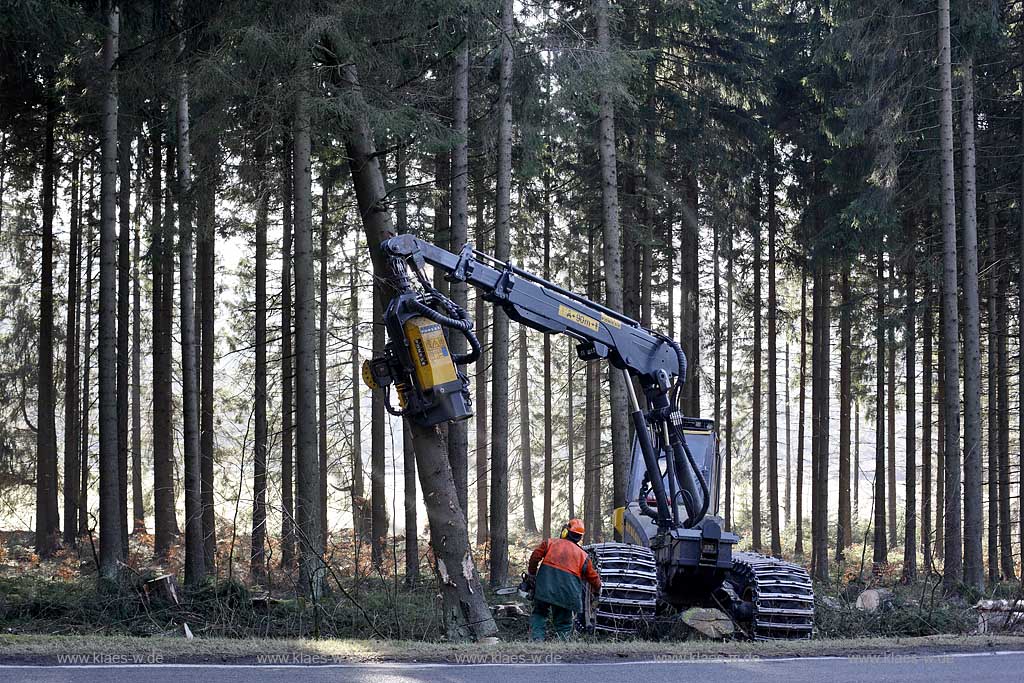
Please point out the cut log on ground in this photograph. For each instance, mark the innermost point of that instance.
(874, 599)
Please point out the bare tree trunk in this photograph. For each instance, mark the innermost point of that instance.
(195, 564)
(910, 334)
(499, 366)
(480, 371)
(880, 556)
(755, 397)
(845, 401)
(773, 364)
(412, 547)
(124, 172)
(592, 418)
(138, 504)
(820, 423)
(799, 548)
(549, 441)
(927, 358)
(111, 521)
(378, 503)
(729, 323)
(940, 437)
(612, 259)
(525, 450)
(1003, 398)
(358, 490)
(458, 432)
(307, 459)
(973, 564)
(953, 567)
(165, 523)
(890, 470)
(72, 361)
(465, 610)
(206, 305)
(288, 534)
(47, 516)
(86, 380)
(326, 184)
(992, 416)
(789, 445)
(258, 565)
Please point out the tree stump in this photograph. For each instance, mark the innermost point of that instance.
(164, 588)
(874, 599)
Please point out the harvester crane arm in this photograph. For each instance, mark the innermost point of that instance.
(432, 390)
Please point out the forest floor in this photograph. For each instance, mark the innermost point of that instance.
(56, 605)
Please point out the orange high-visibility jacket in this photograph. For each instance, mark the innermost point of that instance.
(563, 568)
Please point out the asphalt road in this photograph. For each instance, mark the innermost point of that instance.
(976, 668)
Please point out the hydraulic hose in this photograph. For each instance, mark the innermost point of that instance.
(460, 324)
(680, 448)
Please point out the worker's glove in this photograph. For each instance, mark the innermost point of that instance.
(527, 585)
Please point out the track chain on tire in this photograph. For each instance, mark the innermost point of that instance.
(629, 587)
(782, 594)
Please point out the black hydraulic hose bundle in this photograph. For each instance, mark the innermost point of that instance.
(458, 321)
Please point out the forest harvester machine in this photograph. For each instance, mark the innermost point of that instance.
(674, 554)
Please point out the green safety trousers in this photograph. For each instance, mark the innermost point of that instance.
(560, 616)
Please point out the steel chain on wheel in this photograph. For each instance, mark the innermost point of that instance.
(629, 587)
(781, 592)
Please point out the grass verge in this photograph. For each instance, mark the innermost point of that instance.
(43, 649)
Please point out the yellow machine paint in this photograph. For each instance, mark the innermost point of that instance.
(429, 353)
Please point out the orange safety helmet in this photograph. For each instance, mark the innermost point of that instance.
(575, 526)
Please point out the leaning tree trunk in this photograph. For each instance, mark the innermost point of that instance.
(465, 610)
(953, 567)
(307, 460)
(973, 565)
(612, 252)
(111, 521)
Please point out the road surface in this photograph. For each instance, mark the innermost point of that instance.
(974, 667)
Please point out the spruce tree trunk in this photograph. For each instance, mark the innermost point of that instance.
(927, 358)
(549, 440)
(953, 567)
(525, 450)
(458, 432)
(880, 555)
(466, 613)
(499, 365)
(307, 459)
(940, 437)
(890, 470)
(481, 310)
(612, 258)
(729, 321)
(288, 534)
(206, 310)
(378, 503)
(910, 338)
(47, 516)
(326, 184)
(973, 563)
(72, 361)
(165, 524)
(258, 564)
(195, 563)
(845, 535)
(801, 417)
(1003, 398)
(86, 382)
(992, 405)
(138, 503)
(755, 397)
(358, 489)
(124, 173)
(412, 546)
(111, 521)
(773, 365)
(789, 444)
(820, 424)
